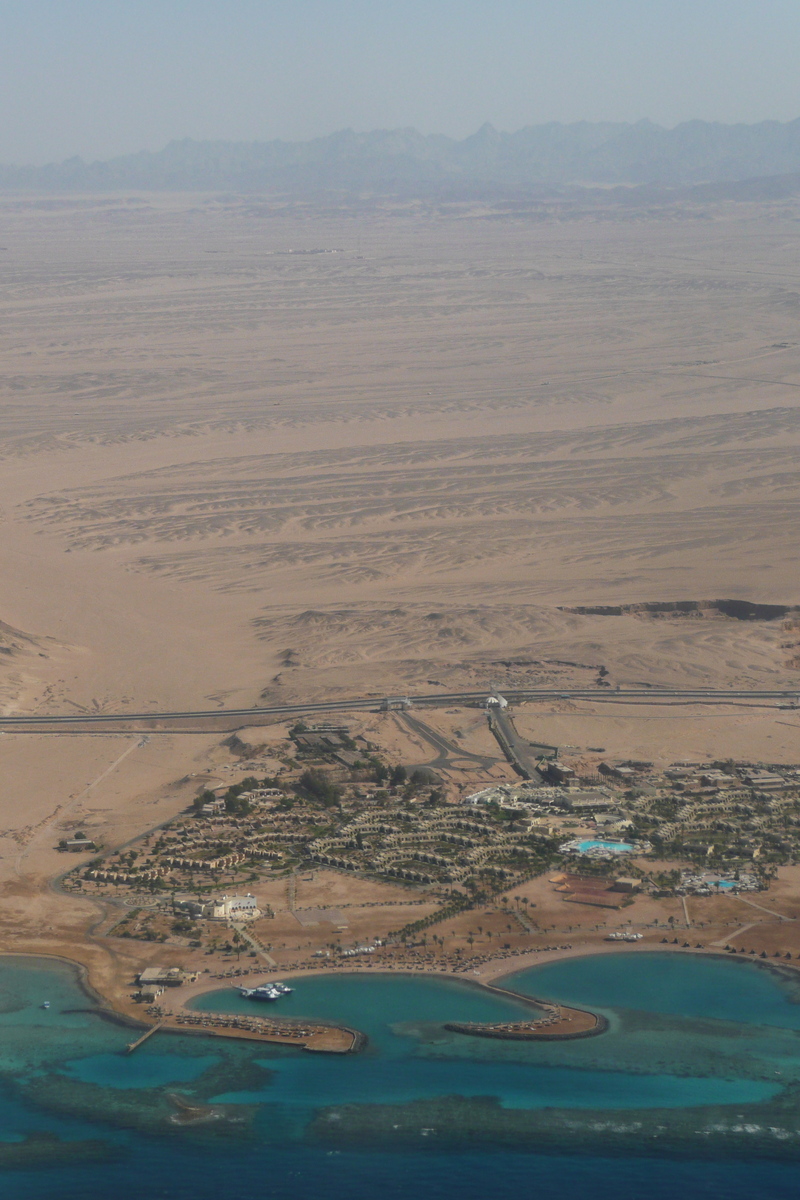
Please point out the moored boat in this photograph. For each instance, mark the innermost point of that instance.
(266, 992)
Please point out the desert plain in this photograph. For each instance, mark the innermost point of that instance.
(263, 451)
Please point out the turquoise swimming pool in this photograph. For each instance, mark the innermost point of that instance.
(611, 847)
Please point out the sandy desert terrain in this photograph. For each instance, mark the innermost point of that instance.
(250, 449)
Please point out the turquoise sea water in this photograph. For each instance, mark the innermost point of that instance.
(693, 1087)
(726, 989)
(408, 1058)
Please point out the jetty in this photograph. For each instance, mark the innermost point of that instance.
(322, 1039)
(147, 1033)
(559, 1025)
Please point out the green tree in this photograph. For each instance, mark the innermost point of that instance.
(235, 802)
(316, 785)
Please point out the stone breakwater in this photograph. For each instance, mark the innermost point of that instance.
(325, 1039)
(559, 1023)
(568, 1024)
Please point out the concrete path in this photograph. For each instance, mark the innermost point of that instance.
(737, 933)
(770, 912)
(260, 950)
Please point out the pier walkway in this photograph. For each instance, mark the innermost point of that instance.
(147, 1033)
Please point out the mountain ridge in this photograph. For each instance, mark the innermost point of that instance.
(404, 161)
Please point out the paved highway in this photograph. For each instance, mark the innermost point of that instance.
(640, 695)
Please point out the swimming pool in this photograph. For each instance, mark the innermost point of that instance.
(610, 847)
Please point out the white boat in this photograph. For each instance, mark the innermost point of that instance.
(268, 992)
(46, 1004)
(283, 988)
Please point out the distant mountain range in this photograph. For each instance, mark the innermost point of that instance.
(404, 162)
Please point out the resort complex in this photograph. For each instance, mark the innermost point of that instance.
(327, 854)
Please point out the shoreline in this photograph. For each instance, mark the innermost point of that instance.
(485, 976)
(488, 977)
(490, 974)
(588, 1023)
(101, 1006)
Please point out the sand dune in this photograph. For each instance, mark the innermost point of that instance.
(518, 646)
(607, 513)
(24, 661)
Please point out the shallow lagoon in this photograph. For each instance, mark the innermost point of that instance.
(427, 1060)
(722, 988)
(684, 1032)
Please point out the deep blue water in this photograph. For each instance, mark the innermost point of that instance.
(684, 1032)
(288, 1175)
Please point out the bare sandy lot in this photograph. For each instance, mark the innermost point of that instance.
(662, 734)
(233, 471)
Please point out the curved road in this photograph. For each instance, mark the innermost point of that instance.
(446, 751)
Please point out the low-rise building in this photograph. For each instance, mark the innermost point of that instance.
(78, 844)
(149, 992)
(557, 772)
(232, 908)
(587, 800)
(626, 774)
(213, 807)
(626, 883)
(153, 977)
(765, 781)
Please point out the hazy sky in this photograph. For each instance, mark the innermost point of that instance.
(105, 77)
